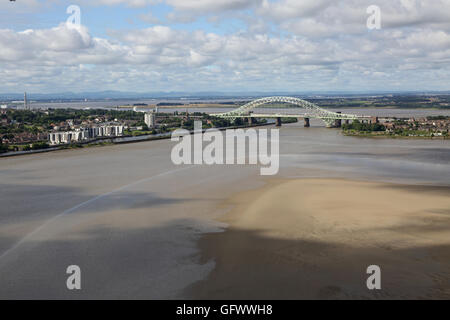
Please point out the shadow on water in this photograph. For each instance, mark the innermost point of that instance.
(250, 265)
(125, 263)
(54, 209)
(158, 262)
(52, 196)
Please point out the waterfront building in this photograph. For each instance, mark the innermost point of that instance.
(85, 134)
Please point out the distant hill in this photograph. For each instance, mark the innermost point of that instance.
(116, 95)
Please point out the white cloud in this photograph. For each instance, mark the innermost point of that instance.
(204, 6)
(287, 9)
(20, 6)
(130, 3)
(149, 18)
(287, 45)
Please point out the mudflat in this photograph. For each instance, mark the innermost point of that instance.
(315, 238)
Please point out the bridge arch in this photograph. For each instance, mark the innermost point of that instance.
(314, 110)
(246, 108)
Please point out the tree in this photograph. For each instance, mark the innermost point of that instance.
(3, 147)
(358, 126)
(39, 145)
(238, 122)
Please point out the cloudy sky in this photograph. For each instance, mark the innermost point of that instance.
(224, 45)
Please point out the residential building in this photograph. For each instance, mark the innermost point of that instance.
(85, 134)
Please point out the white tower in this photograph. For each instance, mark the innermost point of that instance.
(149, 119)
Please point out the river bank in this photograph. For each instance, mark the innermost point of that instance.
(377, 135)
(99, 142)
(314, 239)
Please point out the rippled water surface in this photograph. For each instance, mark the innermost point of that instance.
(130, 218)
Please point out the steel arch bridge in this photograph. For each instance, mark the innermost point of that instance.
(313, 111)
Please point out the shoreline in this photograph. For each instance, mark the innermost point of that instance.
(384, 136)
(101, 142)
(96, 143)
(303, 239)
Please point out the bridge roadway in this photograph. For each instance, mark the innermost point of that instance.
(332, 121)
(302, 116)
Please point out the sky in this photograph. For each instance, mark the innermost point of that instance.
(224, 45)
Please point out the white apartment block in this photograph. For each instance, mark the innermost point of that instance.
(149, 119)
(84, 134)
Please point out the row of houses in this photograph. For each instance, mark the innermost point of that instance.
(419, 124)
(85, 134)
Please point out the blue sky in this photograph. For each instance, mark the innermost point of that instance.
(225, 45)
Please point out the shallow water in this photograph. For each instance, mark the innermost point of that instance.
(130, 218)
(396, 160)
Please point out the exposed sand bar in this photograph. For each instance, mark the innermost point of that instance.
(314, 238)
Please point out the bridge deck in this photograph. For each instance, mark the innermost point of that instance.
(311, 116)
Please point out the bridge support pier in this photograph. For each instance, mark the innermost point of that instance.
(338, 122)
(347, 121)
(374, 120)
(306, 123)
(278, 122)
